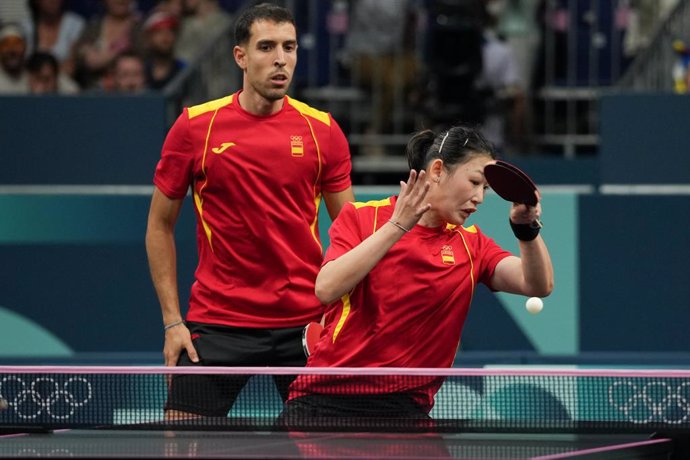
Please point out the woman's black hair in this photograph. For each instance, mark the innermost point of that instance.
(454, 146)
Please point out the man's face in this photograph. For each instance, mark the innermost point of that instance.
(129, 75)
(268, 59)
(12, 51)
(44, 81)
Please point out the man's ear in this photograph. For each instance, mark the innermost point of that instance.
(240, 57)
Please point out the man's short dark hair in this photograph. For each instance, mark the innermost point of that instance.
(260, 12)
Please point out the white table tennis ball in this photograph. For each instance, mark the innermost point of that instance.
(534, 305)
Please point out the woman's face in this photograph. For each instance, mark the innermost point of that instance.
(455, 195)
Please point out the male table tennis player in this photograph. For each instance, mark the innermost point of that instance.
(258, 163)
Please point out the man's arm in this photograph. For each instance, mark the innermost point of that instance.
(335, 201)
(162, 257)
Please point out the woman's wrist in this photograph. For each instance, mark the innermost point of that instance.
(525, 232)
(399, 225)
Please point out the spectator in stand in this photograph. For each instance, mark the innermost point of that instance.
(502, 87)
(160, 31)
(643, 21)
(13, 76)
(202, 20)
(45, 76)
(380, 51)
(453, 61)
(55, 30)
(116, 31)
(129, 75)
(517, 23)
(43, 73)
(205, 24)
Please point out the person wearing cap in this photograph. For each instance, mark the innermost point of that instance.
(13, 77)
(160, 30)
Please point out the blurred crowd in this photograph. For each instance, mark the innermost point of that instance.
(46, 47)
(485, 61)
(479, 61)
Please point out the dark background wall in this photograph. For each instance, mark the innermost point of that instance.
(646, 139)
(81, 139)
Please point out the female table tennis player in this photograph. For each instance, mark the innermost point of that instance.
(399, 277)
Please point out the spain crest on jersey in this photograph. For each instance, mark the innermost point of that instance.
(296, 146)
(447, 255)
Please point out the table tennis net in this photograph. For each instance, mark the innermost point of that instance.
(464, 400)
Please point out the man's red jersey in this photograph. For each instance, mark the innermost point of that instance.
(408, 311)
(257, 184)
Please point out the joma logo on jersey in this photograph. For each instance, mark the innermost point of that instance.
(447, 256)
(223, 147)
(296, 146)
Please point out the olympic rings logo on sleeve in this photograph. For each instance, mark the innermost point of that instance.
(651, 402)
(48, 395)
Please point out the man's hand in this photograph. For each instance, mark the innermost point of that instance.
(177, 339)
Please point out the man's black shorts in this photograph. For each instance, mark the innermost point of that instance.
(214, 395)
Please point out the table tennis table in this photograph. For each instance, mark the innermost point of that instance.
(282, 445)
(116, 412)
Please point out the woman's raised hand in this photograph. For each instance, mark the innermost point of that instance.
(411, 203)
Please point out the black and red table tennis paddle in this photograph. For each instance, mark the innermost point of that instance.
(510, 183)
(310, 337)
